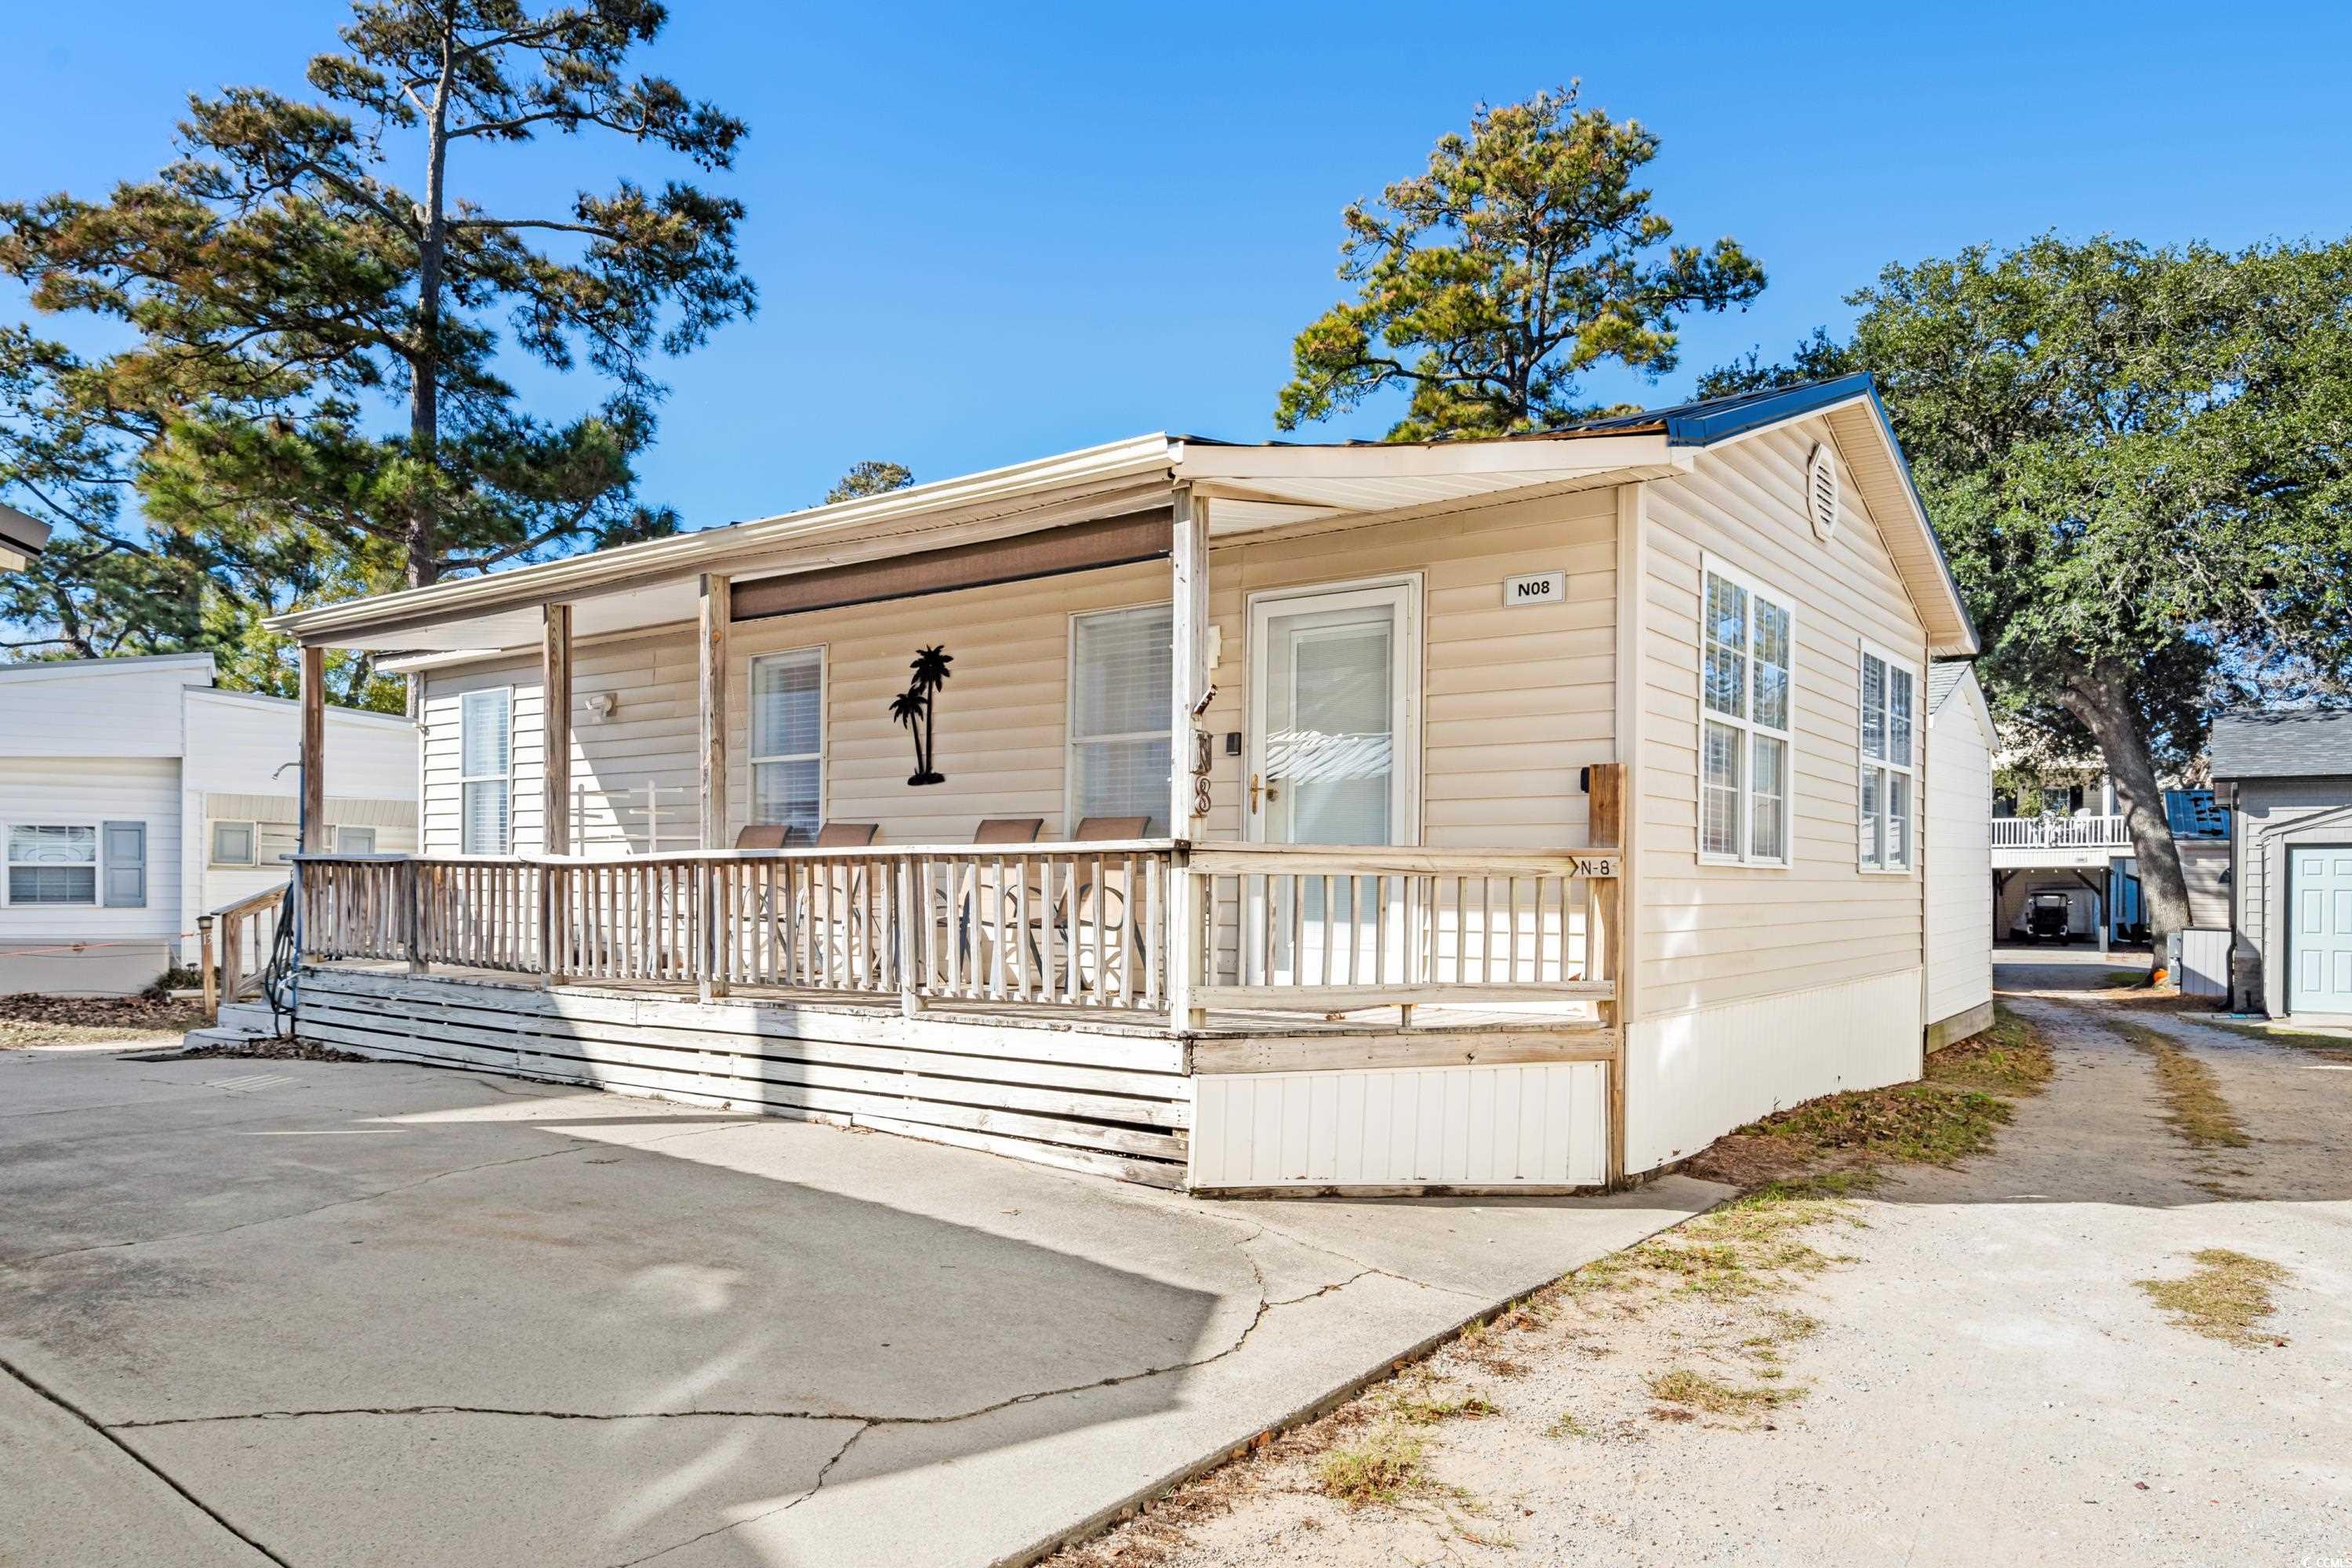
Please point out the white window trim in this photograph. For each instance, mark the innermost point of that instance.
(1071, 741)
(1715, 566)
(337, 830)
(212, 843)
(98, 867)
(754, 756)
(1864, 763)
(464, 778)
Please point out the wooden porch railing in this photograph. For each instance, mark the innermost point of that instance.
(1147, 925)
(233, 947)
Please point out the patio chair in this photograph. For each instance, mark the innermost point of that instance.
(1096, 942)
(989, 906)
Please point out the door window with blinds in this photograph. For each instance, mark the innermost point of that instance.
(1747, 638)
(1123, 676)
(485, 724)
(1889, 763)
(788, 740)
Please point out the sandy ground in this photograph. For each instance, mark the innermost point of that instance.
(1985, 1384)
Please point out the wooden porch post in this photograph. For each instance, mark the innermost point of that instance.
(555, 687)
(314, 750)
(717, 605)
(1604, 942)
(1187, 944)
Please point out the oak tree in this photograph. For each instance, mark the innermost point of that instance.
(2139, 460)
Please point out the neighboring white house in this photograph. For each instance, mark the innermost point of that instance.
(1960, 745)
(134, 796)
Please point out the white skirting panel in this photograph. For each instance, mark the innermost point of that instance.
(1692, 1077)
(1542, 1124)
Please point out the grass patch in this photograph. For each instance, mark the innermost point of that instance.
(1419, 1402)
(2224, 1298)
(1566, 1425)
(1697, 1392)
(1922, 1123)
(2007, 1057)
(1752, 1245)
(2196, 1110)
(1381, 1467)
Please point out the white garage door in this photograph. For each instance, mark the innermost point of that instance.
(2320, 887)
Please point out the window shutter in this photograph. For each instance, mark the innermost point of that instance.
(1821, 490)
(126, 865)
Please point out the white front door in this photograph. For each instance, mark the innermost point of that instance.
(1334, 757)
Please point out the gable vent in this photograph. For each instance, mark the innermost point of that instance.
(1821, 490)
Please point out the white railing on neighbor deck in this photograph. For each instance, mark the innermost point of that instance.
(1144, 925)
(2060, 832)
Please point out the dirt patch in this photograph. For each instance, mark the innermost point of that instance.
(2225, 1298)
(34, 1020)
(1694, 1326)
(272, 1050)
(2196, 1110)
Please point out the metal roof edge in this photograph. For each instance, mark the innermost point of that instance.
(583, 575)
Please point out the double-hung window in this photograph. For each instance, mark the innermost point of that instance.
(484, 722)
(1889, 763)
(788, 740)
(1748, 644)
(52, 865)
(1122, 678)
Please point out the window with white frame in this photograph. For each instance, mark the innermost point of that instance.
(1122, 677)
(52, 865)
(233, 842)
(788, 740)
(1747, 640)
(354, 840)
(1889, 763)
(484, 720)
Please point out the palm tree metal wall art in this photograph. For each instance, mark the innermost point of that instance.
(915, 707)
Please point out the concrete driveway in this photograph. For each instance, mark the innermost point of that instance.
(323, 1314)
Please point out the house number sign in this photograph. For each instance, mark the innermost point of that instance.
(1535, 588)
(1594, 865)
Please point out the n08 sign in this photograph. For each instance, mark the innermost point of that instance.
(1535, 588)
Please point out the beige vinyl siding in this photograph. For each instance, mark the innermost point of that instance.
(1515, 702)
(1711, 934)
(1000, 720)
(1958, 836)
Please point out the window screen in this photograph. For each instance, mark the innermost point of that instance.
(788, 739)
(484, 720)
(1122, 672)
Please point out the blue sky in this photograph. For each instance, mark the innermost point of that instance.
(987, 233)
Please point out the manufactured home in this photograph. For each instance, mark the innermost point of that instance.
(1514, 815)
(136, 799)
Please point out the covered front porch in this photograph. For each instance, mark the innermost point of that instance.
(1258, 837)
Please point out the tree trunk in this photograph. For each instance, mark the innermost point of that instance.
(2100, 701)
(422, 544)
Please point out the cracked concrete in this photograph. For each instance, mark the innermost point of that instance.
(380, 1314)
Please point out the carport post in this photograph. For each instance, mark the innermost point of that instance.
(2099, 919)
